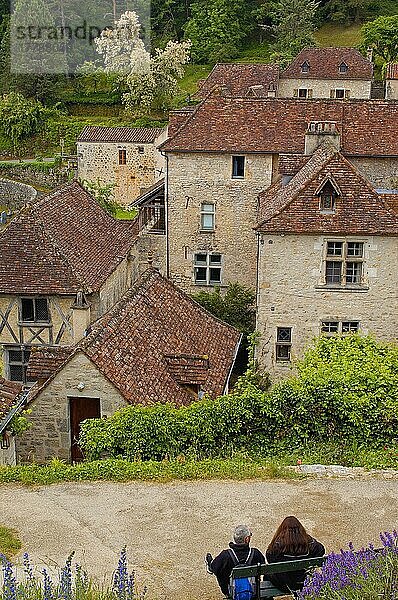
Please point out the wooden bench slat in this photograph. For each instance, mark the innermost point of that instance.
(280, 567)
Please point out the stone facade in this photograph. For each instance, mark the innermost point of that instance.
(292, 293)
(101, 161)
(206, 178)
(381, 172)
(323, 88)
(50, 433)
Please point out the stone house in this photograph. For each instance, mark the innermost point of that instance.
(126, 157)
(65, 261)
(338, 73)
(154, 345)
(224, 153)
(339, 237)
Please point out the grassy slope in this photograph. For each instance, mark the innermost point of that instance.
(9, 542)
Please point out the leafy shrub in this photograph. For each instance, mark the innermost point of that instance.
(349, 383)
(357, 575)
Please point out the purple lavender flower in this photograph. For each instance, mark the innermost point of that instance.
(65, 584)
(48, 587)
(9, 582)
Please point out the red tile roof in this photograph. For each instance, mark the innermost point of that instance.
(62, 244)
(324, 64)
(44, 361)
(156, 338)
(138, 135)
(392, 71)
(9, 391)
(294, 208)
(219, 124)
(238, 78)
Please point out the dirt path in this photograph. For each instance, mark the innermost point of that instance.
(168, 527)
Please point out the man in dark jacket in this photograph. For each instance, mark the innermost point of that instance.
(223, 564)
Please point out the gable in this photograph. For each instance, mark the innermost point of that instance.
(358, 208)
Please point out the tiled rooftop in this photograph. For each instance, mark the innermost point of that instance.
(138, 135)
(294, 208)
(62, 244)
(155, 340)
(241, 125)
(9, 391)
(324, 64)
(239, 78)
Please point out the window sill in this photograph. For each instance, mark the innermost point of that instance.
(342, 288)
(238, 178)
(207, 230)
(34, 324)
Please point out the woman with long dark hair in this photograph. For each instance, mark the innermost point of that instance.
(291, 542)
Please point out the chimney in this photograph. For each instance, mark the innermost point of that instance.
(81, 316)
(319, 131)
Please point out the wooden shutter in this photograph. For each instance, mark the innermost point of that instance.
(333, 93)
(295, 93)
(309, 93)
(347, 93)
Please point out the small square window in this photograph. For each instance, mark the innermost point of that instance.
(238, 167)
(350, 326)
(283, 344)
(215, 259)
(355, 249)
(207, 268)
(141, 149)
(302, 93)
(335, 248)
(207, 217)
(16, 362)
(330, 327)
(353, 272)
(339, 94)
(34, 310)
(305, 67)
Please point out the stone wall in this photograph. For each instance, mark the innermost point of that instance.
(207, 178)
(392, 89)
(115, 286)
(8, 456)
(47, 179)
(151, 248)
(143, 167)
(321, 87)
(290, 293)
(381, 172)
(14, 194)
(50, 436)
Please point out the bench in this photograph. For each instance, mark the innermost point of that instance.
(266, 589)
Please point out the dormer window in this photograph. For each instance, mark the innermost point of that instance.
(343, 67)
(305, 67)
(327, 193)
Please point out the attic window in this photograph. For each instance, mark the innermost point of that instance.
(305, 67)
(327, 198)
(343, 67)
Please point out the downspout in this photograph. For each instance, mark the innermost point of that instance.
(258, 235)
(166, 213)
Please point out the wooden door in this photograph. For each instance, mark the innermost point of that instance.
(79, 410)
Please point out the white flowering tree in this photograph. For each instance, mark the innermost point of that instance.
(152, 80)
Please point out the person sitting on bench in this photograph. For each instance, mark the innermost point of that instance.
(239, 552)
(291, 542)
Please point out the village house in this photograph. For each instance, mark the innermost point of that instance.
(66, 261)
(123, 157)
(338, 73)
(154, 345)
(225, 152)
(327, 257)
(12, 398)
(392, 81)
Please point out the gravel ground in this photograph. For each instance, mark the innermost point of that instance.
(168, 527)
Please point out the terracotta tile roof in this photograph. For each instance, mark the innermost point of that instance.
(62, 244)
(294, 208)
(324, 64)
(138, 135)
(44, 361)
(238, 78)
(290, 164)
(9, 391)
(219, 124)
(392, 71)
(390, 200)
(156, 338)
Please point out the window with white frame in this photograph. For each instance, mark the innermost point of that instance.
(305, 67)
(207, 268)
(283, 345)
(207, 217)
(238, 167)
(34, 310)
(16, 359)
(344, 263)
(339, 327)
(339, 93)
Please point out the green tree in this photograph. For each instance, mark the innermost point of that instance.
(293, 28)
(381, 35)
(345, 11)
(218, 28)
(236, 306)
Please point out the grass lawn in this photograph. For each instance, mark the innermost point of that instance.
(125, 215)
(9, 542)
(336, 35)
